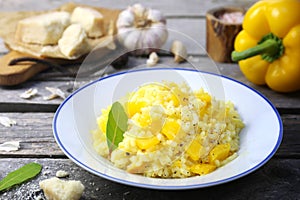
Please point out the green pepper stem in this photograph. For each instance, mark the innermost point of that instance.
(270, 48)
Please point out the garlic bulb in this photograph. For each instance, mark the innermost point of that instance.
(141, 28)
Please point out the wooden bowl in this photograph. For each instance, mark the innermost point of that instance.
(220, 35)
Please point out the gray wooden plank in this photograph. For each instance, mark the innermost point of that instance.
(277, 179)
(12, 94)
(291, 136)
(190, 31)
(34, 131)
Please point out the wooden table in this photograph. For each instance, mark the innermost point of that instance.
(279, 178)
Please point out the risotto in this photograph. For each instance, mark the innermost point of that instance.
(172, 132)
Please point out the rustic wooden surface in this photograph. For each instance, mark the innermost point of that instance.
(277, 179)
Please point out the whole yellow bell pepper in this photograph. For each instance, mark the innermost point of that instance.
(268, 47)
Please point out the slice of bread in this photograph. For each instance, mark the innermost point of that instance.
(91, 20)
(74, 41)
(45, 29)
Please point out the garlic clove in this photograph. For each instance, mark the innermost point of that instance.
(138, 10)
(10, 146)
(153, 59)
(156, 16)
(55, 92)
(29, 93)
(159, 33)
(125, 19)
(179, 51)
(123, 34)
(132, 39)
(149, 40)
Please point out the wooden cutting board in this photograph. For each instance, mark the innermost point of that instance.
(16, 74)
(21, 72)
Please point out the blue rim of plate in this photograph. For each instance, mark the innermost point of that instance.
(150, 186)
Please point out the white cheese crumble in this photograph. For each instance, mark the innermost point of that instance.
(56, 189)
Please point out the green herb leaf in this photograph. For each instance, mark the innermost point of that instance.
(116, 126)
(20, 175)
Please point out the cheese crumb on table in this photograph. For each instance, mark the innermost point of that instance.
(61, 174)
(56, 189)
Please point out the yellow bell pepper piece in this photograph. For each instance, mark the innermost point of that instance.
(102, 120)
(203, 169)
(268, 47)
(134, 107)
(146, 143)
(170, 128)
(204, 97)
(177, 163)
(219, 152)
(174, 99)
(194, 151)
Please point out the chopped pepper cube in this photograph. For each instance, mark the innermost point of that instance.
(195, 149)
(102, 121)
(170, 128)
(219, 152)
(134, 107)
(202, 169)
(146, 143)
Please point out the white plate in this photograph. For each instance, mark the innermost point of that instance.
(76, 117)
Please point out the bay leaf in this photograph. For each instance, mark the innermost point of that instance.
(116, 126)
(20, 175)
